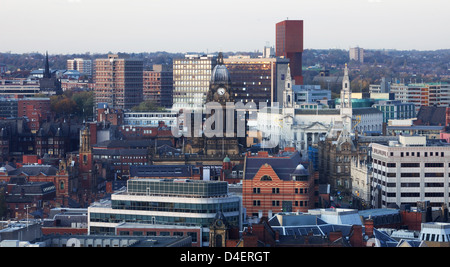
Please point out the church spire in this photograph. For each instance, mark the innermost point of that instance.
(346, 101)
(47, 67)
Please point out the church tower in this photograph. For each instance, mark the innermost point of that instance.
(218, 231)
(346, 101)
(47, 73)
(288, 95)
(219, 141)
(86, 166)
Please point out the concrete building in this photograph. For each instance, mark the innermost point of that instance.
(84, 66)
(357, 54)
(307, 94)
(150, 118)
(409, 171)
(8, 107)
(395, 110)
(19, 87)
(118, 81)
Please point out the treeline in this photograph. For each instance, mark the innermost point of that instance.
(79, 104)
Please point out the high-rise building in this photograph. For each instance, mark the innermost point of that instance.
(191, 79)
(409, 171)
(257, 79)
(84, 66)
(357, 54)
(119, 81)
(158, 85)
(289, 44)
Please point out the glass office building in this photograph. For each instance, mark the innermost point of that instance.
(191, 79)
(170, 202)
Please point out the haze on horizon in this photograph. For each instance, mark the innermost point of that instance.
(100, 26)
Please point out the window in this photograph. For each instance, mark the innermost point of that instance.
(256, 190)
(266, 178)
(410, 165)
(275, 190)
(435, 165)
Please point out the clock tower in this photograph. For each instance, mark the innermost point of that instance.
(219, 141)
(220, 85)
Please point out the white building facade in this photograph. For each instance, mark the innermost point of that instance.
(409, 171)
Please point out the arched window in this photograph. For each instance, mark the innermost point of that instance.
(266, 178)
(61, 185)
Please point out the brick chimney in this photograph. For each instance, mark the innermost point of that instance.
(356, 237)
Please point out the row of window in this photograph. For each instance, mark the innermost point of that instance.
(150, 219)
(257, 190)
(416, 194)
(408, 184)
(276, 203)
(162, 233)
(175, 207)
(410, 164)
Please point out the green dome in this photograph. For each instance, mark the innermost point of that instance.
(226, 159)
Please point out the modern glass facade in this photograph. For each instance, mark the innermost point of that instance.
(191, 79)
(177, 202)
(178, 188)
(258, 80)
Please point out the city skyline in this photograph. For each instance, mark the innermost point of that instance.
(99, 26)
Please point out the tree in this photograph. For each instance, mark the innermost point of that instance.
(62, 105)
(84, 103)
(147, 106)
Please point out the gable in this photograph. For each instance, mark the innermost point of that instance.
(264, 173)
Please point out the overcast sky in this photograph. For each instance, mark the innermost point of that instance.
(100, 26)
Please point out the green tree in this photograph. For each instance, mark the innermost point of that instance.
(147, 106)
(84, 103)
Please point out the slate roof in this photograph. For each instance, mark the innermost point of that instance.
(431, 115)
(33, 170)
(131, 143)
(120, 152)
(161, 170)
(284, 165)
(25, 193)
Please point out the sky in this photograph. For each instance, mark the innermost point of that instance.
(102, 26)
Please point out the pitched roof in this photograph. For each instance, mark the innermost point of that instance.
(284, 165)
(431, 115)
(33, 170)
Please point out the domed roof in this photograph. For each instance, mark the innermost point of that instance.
(226, 159)
(300, 170)
(220, 74)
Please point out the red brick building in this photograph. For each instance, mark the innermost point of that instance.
(158, 85)
(36, 109)
(42, 173)
(279, 183)
(289, 43)
(106, 114)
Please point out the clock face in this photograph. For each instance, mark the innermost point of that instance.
(221, 91)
